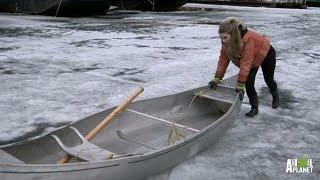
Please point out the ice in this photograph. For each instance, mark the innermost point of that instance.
(57, 71)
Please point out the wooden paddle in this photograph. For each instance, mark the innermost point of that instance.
(122, 106)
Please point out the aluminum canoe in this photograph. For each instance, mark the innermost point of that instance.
(138, 137)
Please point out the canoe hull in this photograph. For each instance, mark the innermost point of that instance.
(127, 4)
(135, 167)
(149, 5)
(163, 5)
(49, 7)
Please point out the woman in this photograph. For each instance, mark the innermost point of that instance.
(248, 50)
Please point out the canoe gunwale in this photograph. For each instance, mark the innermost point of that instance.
(78, 166)
(72, 123)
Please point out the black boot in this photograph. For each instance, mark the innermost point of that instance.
(254, 106)
(275, 100)
(252, 113)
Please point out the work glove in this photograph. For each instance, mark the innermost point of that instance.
(214, 83)
(240, 88)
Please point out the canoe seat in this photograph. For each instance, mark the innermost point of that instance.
(85, 151)
(220, 94)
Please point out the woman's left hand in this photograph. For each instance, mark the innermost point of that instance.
(240, 88)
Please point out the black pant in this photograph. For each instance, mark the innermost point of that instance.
(268, 65)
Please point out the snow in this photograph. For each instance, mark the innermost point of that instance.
(53, 72)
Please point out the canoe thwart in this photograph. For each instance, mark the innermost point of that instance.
(166, 122)
(85, 151)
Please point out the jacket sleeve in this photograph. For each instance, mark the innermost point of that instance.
(246, 60)
(222, 64)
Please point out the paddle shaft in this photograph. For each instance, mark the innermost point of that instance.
(66, 158)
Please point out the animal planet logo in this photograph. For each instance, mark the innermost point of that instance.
(301, 165)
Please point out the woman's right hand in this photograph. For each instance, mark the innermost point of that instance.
(214, 83)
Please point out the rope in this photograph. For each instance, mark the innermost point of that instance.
(123, 8)
(152, 3)
(57, 10)
(196, 95)
(176, 134)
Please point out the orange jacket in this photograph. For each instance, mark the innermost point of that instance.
(255, 49)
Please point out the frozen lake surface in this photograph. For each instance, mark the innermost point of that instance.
(54, 72)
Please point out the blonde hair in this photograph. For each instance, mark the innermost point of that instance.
(231, 26)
